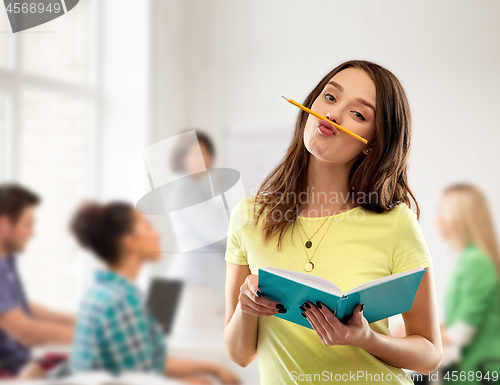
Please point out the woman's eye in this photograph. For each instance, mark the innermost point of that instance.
(332, 97)
(358, 115)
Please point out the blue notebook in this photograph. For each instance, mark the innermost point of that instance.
(383, 297)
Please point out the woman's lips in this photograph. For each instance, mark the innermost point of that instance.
(327, 128)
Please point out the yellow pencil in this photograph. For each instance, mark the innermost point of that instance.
(328, 120)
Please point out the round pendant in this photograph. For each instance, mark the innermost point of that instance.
(309, 266)
(309, 244)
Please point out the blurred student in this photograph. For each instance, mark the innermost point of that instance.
(203, 270)
(472, 297)
(23, 324)
(114, 331)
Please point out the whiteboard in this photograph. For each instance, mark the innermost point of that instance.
(255, 149)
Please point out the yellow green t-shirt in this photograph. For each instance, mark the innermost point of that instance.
(359, 246)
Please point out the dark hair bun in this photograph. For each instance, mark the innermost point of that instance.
(88, 224)
(100, 228)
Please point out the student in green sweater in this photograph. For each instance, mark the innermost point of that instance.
(472, 298)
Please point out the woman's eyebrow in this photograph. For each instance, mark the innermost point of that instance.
(359, 100)
(362, 101)
(336, 85)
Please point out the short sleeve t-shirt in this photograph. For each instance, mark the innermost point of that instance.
(359, 246)
(13, 355)
(114, 331)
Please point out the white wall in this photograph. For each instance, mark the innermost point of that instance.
(122, 117)
(124, 83)
(238, 58)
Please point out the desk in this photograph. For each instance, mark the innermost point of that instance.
(40, 351)
(195, 346)
(211, 347)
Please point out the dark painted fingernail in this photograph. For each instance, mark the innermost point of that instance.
(257, 293)
(280, 306)
(318, 305)
(282, 311)
(362, 307)
(302, 308)
(302, 314)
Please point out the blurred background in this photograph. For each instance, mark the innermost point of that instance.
(80, 95)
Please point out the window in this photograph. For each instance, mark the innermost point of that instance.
(48, 115)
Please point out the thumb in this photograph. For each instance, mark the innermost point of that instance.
(253, 285)
(357, 316)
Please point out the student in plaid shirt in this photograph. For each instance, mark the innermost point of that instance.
(114, 331)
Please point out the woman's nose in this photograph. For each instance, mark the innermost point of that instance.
(334, 118)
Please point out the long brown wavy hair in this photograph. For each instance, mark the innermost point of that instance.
(384, 172)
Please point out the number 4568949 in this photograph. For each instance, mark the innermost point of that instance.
(33, 8)
(471, 376)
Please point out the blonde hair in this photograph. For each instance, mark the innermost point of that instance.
(468, 219)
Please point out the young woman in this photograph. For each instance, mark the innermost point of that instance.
(337, 209)
(472, 298)
(114, 332)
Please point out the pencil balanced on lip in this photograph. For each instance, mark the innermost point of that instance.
(363, 140)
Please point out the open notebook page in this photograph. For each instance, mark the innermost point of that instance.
(330, 287)
(381, 280)
(306, 279)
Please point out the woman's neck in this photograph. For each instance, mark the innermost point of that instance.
(129, 267)
(458, 244)
(327, 188)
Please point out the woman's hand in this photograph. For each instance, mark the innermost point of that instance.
(331, 331)
(252, 301)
